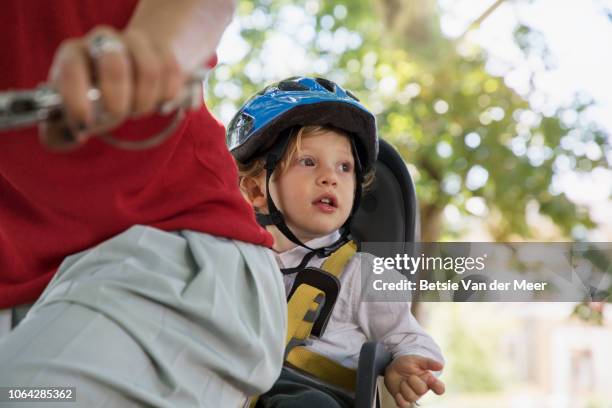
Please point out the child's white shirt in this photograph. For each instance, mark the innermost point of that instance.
(354, 321)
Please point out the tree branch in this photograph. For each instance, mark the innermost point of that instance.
(476, 23)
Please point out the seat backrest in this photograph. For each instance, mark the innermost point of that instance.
(388, 213)
(389, 210)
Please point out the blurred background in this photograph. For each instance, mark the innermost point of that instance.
(503, 112)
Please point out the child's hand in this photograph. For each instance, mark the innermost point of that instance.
(409, 377)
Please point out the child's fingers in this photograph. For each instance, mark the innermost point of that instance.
(401, 401)
(434, 383)
(417, 385)
(436, 386)
(428, 363)
(408, 392)
(415, 364)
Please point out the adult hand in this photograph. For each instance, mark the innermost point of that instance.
(408, 378)
(133, 74)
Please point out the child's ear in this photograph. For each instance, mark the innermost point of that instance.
(254, 190)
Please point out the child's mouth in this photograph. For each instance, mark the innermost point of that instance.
(326, 203)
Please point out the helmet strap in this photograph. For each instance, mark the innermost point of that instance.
(276, 218)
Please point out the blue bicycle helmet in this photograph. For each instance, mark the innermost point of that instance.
(300, 101)
(266, 122)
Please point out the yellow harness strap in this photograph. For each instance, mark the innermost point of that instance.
(302, 310)
(337, 261)
(323, 368)
(304, 302)
(310, 362)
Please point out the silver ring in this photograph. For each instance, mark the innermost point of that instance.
(104, 43)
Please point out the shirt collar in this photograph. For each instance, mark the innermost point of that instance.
(293, 257)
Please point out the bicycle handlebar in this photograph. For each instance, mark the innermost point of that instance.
(30, 107)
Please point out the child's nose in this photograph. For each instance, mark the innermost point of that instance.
(327, 177)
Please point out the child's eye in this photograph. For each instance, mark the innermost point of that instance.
(306, 161)
(346, 167)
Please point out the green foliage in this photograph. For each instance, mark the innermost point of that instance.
(469, 136)
(589, 312)
(473, 365)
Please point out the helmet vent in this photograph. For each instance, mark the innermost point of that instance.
(292, 86)
(327, 84)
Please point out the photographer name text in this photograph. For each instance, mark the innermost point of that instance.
(467, 284)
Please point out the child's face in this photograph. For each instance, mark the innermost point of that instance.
(316, 191)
